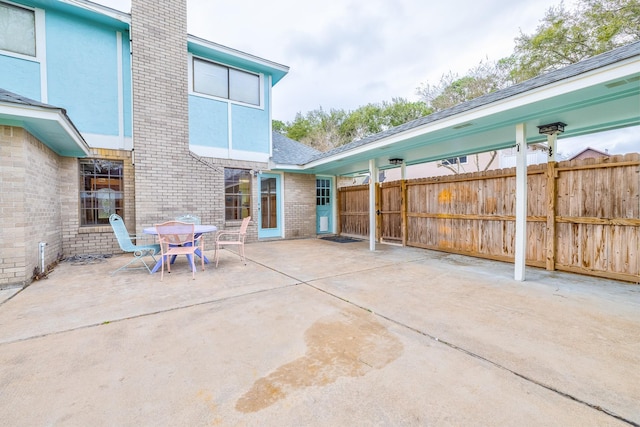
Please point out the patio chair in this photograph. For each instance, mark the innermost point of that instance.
(231, 238)
(125, 240)
(177, 238)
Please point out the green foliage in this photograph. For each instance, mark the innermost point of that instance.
(568, 36)
(324, 130)
(562, 38)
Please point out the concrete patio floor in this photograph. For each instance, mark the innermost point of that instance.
(312, 332)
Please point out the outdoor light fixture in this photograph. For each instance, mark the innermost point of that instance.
(395, 161)
(551, 128)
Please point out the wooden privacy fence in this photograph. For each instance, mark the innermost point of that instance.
(583, 215)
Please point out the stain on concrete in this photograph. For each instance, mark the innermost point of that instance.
(348, 344)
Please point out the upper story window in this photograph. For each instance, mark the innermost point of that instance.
(17, 30)
(214, 79)
(101, 190)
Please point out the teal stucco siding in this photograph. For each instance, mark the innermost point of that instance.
(82, 65)
(208, 122)
(20, 76)
(250, 129)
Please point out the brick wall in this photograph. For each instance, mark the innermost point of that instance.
(77, 240)
(300, 205)
(29, 201)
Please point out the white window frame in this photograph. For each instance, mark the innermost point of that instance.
(228, 100)
(448, 163)
(38, 15)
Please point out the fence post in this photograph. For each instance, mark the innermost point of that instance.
(552, 195)
(403, 212)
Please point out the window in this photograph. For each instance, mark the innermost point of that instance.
(17, 30)
(224, 82)
(237, 194)
(454, 160)
(323, 192)
(101, 190)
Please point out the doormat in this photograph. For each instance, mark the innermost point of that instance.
(340, 239)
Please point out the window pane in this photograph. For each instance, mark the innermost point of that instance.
(237, 197)
(211, 79)
(244, 87)
(17, 30)
(101, 191)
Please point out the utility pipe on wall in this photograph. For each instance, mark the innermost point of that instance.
(41, 246)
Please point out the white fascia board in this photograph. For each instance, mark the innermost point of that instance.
(103, 10)
(21, 112)
(611, 72)
(237, 53)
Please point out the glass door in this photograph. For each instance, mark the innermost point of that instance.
(324, 207)
(269, 206)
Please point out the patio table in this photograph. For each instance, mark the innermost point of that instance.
(199, 230)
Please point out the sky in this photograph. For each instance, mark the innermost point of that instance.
(348, 53)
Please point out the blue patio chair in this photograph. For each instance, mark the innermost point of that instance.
(126, 244)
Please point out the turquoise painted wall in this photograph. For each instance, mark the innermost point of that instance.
(208, 122)
(250, 129)
(82, 72)
(20, 76)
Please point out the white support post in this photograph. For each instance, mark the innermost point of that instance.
(521, 202)
(373, 178)
(551, 143)
(403, 171)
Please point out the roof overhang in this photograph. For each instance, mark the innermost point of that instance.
(86, 10)
(602, 99)
(236, 58)
(49, 125)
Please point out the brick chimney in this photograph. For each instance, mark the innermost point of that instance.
(160, 109)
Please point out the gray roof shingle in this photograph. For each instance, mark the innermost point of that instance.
(589, 64)
(290, 152)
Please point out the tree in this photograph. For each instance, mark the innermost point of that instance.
(324, 130)
(566, 36)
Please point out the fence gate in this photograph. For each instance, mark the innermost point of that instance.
(353, 211)
(390, 218)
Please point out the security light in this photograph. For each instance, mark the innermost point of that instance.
(551, 128)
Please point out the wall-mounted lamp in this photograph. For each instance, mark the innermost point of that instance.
(395, 161)
(255, 172)
(551, 128)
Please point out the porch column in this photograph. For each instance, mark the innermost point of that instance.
(521, 202)
(373, 179)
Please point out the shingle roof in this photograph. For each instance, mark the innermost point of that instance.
(14, 98)
(595, 62)
(290, 152)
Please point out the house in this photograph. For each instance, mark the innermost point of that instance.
(107, 112)
(589, 153)
(104, 111)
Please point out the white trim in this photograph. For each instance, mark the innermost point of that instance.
(373, 179)
(260, 106)
(41, 53)
(270, 109)
(599, 76)
(238, 54)
(120, 84)
(521, 203)
(103, 10)
(224, 153)
(112, 142)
